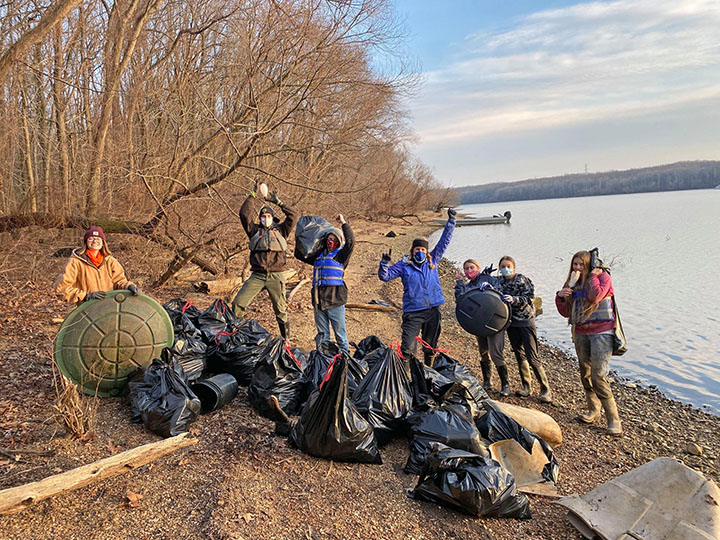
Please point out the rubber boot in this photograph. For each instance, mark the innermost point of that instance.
(504, 384)
(613, 420)
(284, 329)
(545, 392)
(524, 370)
(593, 405)
(486, 368)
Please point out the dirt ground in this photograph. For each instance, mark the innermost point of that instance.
(242, 482)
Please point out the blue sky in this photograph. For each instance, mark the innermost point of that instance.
(518, 89)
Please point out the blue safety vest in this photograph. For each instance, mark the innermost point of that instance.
(603, 313)
(327, 271)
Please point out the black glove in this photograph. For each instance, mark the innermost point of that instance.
(273, 198)
(97, 295)
(452, 213)
(134, 290)
(488, 270)
(387, 257)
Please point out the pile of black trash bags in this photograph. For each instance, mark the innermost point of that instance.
(347, 407)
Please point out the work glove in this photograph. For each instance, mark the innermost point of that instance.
(387, 257)
(488, 270)
(273, 198)
(134, 289)
(507, 298)
(97, 295)
(452, 213)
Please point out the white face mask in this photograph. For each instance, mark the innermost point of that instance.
(266, 221)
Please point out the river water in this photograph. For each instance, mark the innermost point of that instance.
(664, 251)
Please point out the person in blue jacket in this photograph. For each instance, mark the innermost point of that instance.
(422, 294)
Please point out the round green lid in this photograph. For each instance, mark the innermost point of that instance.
(102, 342)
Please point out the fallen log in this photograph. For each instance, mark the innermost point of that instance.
(371, 307)
(16, 499)
(297, 288)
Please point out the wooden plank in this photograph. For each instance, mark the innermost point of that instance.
(18, 498)
(371, 307)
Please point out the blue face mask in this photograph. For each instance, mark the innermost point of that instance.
(507, 272)
(419, 257)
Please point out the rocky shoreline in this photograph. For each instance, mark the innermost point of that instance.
(240, 480)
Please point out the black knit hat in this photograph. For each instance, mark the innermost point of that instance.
(420, 242)
(266, 210)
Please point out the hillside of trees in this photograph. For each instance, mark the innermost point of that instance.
(673, 177)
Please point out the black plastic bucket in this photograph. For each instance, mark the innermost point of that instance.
(216, 391)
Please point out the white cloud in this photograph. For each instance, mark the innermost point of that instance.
(574, 65)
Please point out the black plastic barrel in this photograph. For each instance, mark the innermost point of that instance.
(215, 391)
(482, 313)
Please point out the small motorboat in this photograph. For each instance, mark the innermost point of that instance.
(489, 220)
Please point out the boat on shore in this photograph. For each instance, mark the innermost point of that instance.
(488, 220)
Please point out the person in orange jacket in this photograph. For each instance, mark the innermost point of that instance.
(92, 270)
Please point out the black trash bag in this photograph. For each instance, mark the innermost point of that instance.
(278, 373)
(162, 400)
(310, 233)
(191, 353)
(217, 320)
(237, 352)
(448, 423)
(317, 365)
(455, 371)
(496, 426)
(184, 316)
(300, 357)
(330, 426)
(384, 396)
(367, 345)
(470, 483)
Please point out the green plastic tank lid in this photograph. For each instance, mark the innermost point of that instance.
(102, 342)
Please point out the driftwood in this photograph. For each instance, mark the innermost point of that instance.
(371, 307)
(297, 288)
(536, 421)
(218, 287)
(18, 498)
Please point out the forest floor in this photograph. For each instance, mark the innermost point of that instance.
(241, 481)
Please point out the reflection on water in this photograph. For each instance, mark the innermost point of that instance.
(665, 258)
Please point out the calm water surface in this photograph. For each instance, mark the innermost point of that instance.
(665, 256)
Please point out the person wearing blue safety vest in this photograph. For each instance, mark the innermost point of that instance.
(422, 293)
(329, 292)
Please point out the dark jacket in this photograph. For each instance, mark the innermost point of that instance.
(421, 284)
(265, 262)
(335, 295)
(523, 291)
(461, 287)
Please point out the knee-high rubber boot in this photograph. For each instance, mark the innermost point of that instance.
(545, 392)
(593, 405)
(524, 370)
(504, 384)
(284, 329)
(486, 368)
(613, 419)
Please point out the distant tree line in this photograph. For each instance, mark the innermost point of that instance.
(676, 176)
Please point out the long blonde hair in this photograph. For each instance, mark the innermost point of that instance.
(589, 307)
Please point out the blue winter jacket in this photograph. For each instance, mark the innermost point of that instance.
(421, 284)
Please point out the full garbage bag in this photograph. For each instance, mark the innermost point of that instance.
(310, 233)
(448, 423)
(330, 426)
(184, 316)
(496, 426)
(367, 345)
(236, 352)
(278, 372)
(470, 483)
(216, 320)
(317, 365)
(162, 400)
(191, 353)
(384, 396)
(455, 371)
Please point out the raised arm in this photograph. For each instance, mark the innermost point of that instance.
(387, 272)
(439, 249)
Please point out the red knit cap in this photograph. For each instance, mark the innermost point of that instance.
(94, 231)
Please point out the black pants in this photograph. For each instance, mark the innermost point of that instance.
(524, 337)
(426, 321)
